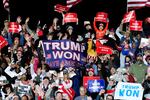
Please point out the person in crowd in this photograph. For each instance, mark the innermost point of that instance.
(75, 80)
(114, 61)
(88, 32)
(45, 86)
(58, 96)
(83, 95)
(90, 72)
(69, 33)
(146, 86)
(109, 97)
(8, 92)
(5, 29)
(14, 71)
(112, 39)
(125, 40)
(25, 97)
(138, 69)
(101, 96)
(128, 61)
(23, 87)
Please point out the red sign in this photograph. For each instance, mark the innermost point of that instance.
(87, 78)
(13, 27)
(101, 49)
(60, 8)
(3, 42)
(70, 17)
(101, 16)
(136, 26)
(104, 50)
(129, 16)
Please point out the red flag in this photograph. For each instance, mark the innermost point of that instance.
(136, 26)
(60, 8)
(129, 16)
(101, 16)
(13, 27)
(136, 4)
(71, 3)
(3, 42)
(70, 17)
(6, 4)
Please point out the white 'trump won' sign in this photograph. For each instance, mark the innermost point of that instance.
(128, 91)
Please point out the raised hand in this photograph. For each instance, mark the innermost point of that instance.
(27, 20)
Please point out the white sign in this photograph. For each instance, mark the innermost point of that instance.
(144, 42)
(129, 91)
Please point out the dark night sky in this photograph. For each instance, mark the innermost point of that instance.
(86, 10)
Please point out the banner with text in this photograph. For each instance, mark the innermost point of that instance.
(101, 16)
(129, 91)
(70, 17)
(136, 25)
(66, 51)
(13, 27)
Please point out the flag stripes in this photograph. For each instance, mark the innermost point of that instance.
(71, 3)
(148, 3)
(136, 4)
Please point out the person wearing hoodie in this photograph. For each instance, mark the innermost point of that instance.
(146, 86)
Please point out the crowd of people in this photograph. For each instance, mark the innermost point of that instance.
(24, 74)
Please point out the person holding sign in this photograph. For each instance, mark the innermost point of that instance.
(102, 18)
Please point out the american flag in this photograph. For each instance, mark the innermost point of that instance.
(6, 4)
(71, 3)
(148, 3)
(136, 4)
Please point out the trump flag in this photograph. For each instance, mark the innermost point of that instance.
(66, 51)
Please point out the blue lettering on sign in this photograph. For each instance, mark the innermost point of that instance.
(136, 92)
(133, 93)
(130, 87)
(128, 92)
(121, 92)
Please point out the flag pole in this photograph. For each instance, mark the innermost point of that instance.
(9, 15)
(9, 11)
(127, 12)
(127, 7)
